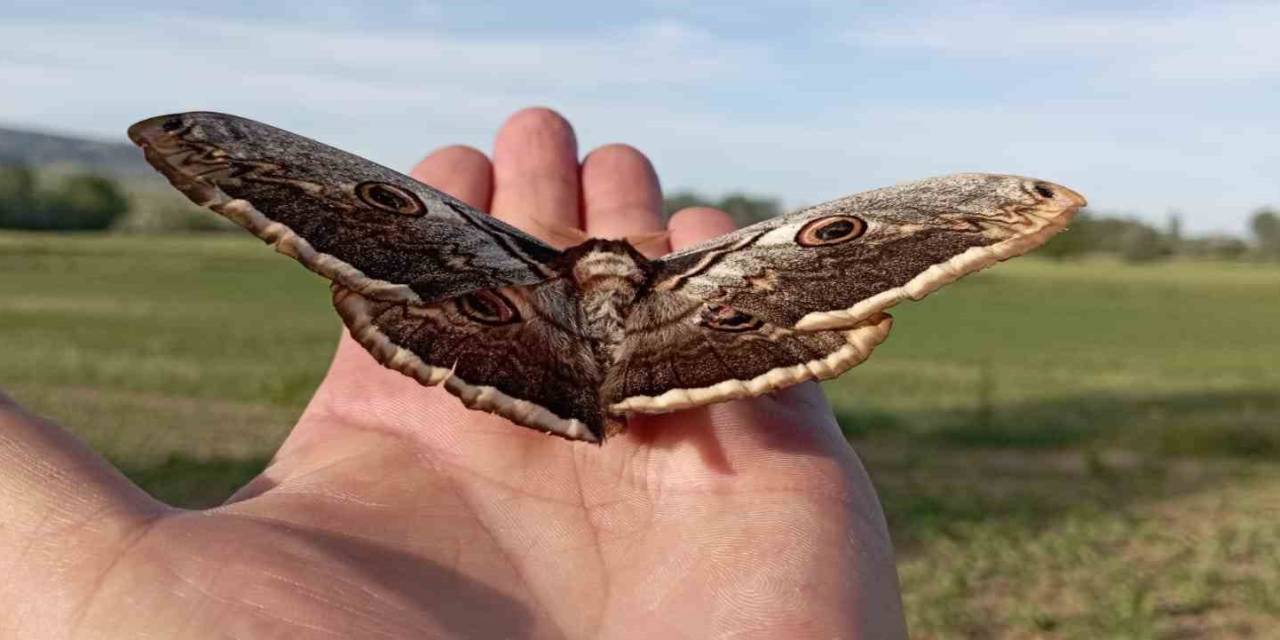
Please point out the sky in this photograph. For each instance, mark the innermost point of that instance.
(1146, 108)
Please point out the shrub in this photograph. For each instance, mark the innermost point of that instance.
(77, 202)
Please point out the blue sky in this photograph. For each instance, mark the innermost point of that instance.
(1145, 108)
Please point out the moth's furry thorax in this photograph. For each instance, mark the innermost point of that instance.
(609, 275)
(597, 262)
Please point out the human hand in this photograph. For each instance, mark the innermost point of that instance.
(392, 511)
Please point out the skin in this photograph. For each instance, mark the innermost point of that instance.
(393, 512)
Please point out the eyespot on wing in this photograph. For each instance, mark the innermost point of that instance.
(390, 198)
(831, 230)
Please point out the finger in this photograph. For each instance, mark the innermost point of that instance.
(695, 224)
(535, 172)
(460, 171)
(621, 197)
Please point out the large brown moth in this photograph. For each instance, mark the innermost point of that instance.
(571, 342)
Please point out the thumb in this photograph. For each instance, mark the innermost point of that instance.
(64, 506)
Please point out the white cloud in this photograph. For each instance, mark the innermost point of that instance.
(1145, 164)
(340, 84)
(668, 52)
(1214, 42)
(391, 94)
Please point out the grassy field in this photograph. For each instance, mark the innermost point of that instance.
(1075, 450)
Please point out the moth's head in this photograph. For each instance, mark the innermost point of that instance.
(600, 258)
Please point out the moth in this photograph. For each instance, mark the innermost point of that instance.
(573, 341)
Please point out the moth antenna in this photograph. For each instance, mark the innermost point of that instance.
(452, 370)
(561, 236)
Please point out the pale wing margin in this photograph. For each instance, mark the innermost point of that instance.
(860, 341)
(356, 312)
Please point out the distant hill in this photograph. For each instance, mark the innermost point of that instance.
(154, 206)
(38, 149)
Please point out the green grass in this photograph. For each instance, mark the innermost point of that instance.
(1073, 450)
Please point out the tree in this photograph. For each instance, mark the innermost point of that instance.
(1077, 240)
(1265, 225)
(744, 208)
(1218, 246)
(77, 202)
(1129, 238)
(84, 202)
(684, 200)
(1142, 243)
(748, 209)
(1173, 233)
(17, 194)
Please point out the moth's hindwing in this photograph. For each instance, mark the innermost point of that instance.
(681, 352)
(514, 351)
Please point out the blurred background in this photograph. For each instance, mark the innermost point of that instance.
(1082, 443)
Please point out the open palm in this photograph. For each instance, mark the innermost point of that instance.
(391, 511)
